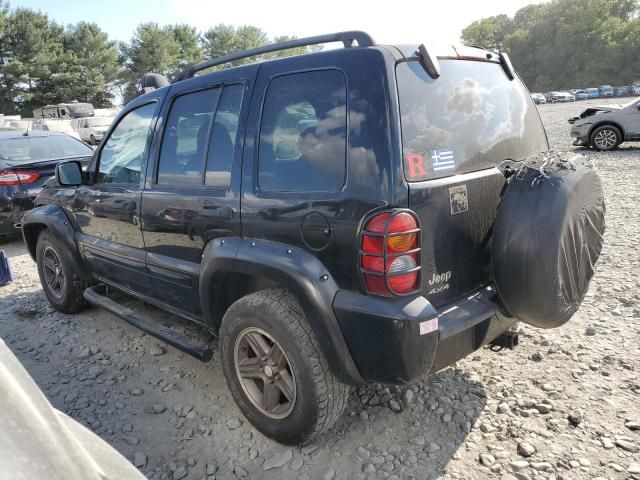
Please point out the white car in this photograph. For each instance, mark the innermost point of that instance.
(61, 126)
(92, 129)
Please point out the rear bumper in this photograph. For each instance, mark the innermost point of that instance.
(12, 208)
(388, 346)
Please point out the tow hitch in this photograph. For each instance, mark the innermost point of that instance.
(508, 340)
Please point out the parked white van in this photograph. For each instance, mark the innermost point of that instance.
(92, 129)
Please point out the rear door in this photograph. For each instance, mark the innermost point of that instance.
(456, 131)
(634, 121)
(192, 194)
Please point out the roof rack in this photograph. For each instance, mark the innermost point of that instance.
(362, 39)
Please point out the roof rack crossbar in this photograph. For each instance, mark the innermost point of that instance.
(362, 39)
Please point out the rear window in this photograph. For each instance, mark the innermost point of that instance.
(472, 117)
(34, 148)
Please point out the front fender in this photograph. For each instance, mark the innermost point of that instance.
(293, 268)
(54, 218)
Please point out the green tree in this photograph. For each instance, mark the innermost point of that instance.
(189, 42)
(226, 39)
(488, 32)
(92, 65)
(34, 57)
(6, 98)
(568, 43)
(164, 50)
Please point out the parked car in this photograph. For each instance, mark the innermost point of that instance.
(636, 89)
(22, 125)
(60, 126)
(538, 98)
(605, 90)
(26, 162)
(557, 97)
(580, 94)
(48, 440)
(325, 234)
(606, 127)
(92, 129)
(623, 91)
(593, 92)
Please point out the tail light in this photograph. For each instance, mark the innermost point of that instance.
(390, 253)
(17, 177)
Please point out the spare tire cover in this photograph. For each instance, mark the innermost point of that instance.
(547, 237)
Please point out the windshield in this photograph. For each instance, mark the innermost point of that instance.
(635, 101)
(471, 117)
(99, 121)
(36, 148)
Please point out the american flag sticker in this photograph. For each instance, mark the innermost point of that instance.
(443, 160)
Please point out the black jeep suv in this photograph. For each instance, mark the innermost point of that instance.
(365, 214)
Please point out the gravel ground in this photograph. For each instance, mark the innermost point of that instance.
(563, 405)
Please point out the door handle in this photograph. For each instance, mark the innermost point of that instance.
(223, 213)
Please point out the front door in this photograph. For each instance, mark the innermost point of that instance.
(192, 190)
(634, 121)
(108, 209)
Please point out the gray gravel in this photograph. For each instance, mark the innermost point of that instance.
(563, 405)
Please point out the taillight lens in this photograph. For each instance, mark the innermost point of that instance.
(17, 177)
(390, 253)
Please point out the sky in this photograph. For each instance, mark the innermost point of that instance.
(401, 21)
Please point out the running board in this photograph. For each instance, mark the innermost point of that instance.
(97, 296)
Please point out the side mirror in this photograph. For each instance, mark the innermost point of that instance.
(69, 174)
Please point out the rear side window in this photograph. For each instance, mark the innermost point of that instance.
(472, 117)
(185, 138)
(303, 133)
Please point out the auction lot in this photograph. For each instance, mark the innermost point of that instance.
(565, 404)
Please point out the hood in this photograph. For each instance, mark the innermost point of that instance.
(591, 111)
(42, 163)
(605, 108)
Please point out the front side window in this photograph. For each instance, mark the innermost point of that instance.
(303, 133)
(185, 138)
(122, 156)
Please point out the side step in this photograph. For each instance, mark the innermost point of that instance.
(97, 296)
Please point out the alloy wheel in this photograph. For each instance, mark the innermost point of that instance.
(53, 272)
(605, 139)
(265, 373)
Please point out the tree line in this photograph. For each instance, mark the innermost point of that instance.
(43, 62)
(567, 43)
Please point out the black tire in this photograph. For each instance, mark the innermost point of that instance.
(320, 398)
(605, 138)
(68, 297)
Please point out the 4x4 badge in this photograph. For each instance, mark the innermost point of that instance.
(458, 199)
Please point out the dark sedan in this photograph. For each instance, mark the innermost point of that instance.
(27, 160)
